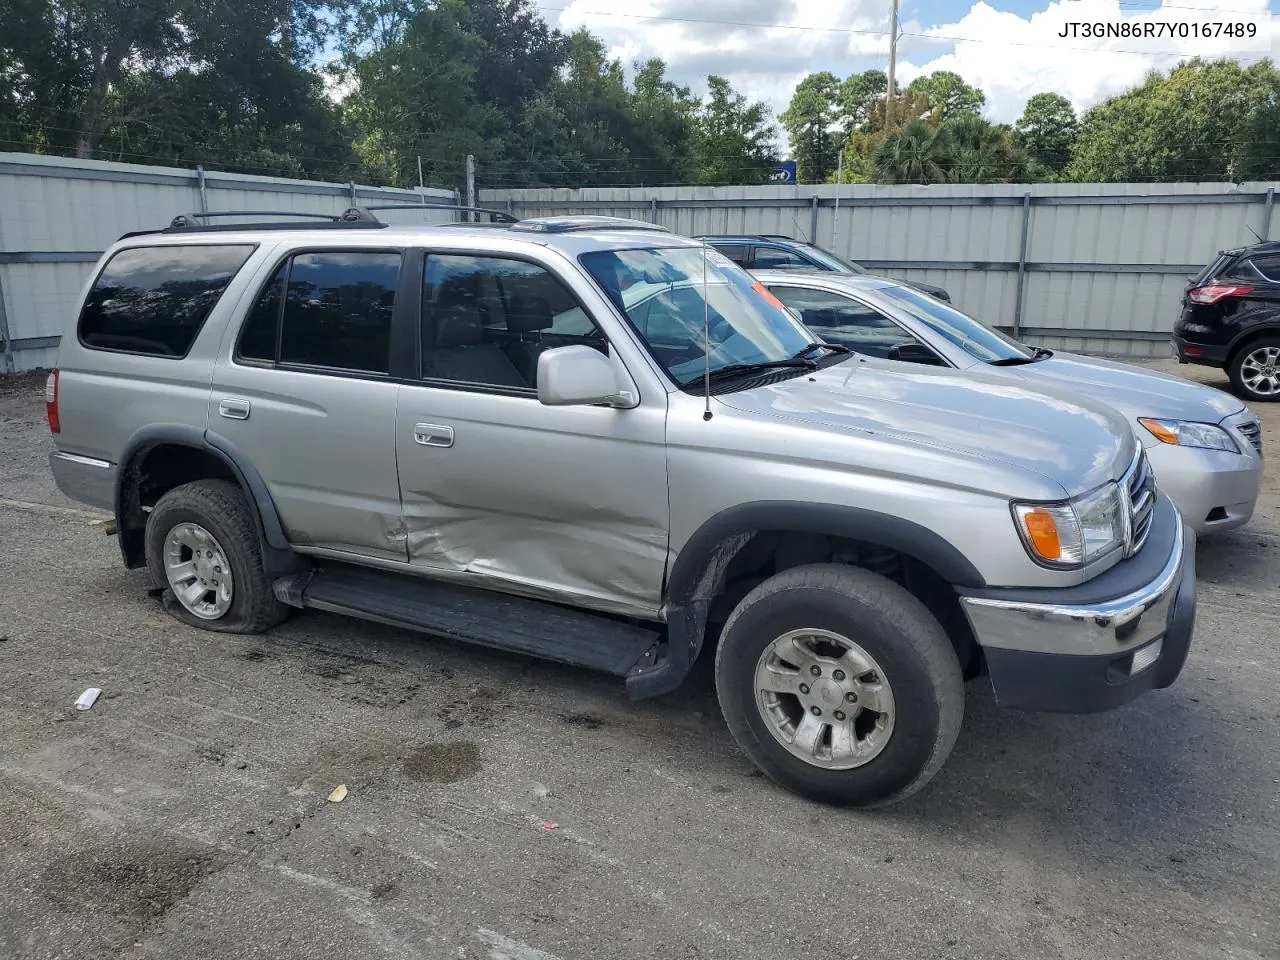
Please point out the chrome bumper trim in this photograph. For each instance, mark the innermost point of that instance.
(1097, 629)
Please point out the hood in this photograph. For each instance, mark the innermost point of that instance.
(1071, 442)
(1131, 390)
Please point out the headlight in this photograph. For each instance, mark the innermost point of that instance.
(1185, 433)
(1074, 533)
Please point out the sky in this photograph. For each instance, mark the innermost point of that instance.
(1011, 49)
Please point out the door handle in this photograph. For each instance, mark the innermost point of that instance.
(433, 434)
(233, 409)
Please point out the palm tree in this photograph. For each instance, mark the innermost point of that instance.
(917, 153)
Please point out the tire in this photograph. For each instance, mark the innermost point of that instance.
(903, 641)
(1248, 367)
(215, 509)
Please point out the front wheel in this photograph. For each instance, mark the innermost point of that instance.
(840, 685)
(1255, 370)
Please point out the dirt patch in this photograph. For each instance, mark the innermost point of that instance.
(29, 382)
(443, 762)
(135, 883)
(585, 720)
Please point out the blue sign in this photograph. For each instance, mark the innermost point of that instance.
(785, 172)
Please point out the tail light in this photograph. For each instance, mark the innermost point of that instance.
(51, 402)
(1218, 291)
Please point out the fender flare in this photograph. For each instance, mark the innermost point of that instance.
(277, 555)
(698, 571)
(1261, 329)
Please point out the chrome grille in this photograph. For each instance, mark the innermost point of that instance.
(1253, 433)
(1141, 484)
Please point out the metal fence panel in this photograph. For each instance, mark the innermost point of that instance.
(57, 215)
(1103, 267)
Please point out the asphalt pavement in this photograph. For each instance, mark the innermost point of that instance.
(507, 809)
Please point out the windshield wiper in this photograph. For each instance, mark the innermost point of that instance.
(811, 347)
(736, 369)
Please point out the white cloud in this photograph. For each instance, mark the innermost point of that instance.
(1008, 56)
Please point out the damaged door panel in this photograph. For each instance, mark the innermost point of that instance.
(568, 503)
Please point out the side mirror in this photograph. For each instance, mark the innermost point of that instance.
(912, 352)
(579, 375)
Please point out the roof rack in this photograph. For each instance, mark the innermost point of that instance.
(192, 221)
(496, 216)
(572, 224)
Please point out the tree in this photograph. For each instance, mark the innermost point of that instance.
(982, 152)
(914, 153)
(948, 95)
(810, 122)
(857, 98)
(1047, 130)
(1205, 120)
(664, 124)
(732, 138)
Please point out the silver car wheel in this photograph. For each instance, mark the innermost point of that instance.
(824, 698)
(1260, 371)
(198, 572)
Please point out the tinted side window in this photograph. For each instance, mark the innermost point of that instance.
(775, 258)
(739, 253)
(486, 320)
(154, 300)
(258, 335)
(1269, 267)
(337, 310)
(844, 321)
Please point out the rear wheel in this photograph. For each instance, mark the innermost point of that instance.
(203, 552)
(840, 685)
(1255, 370)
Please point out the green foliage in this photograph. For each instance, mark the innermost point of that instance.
(1205, 120)
(963, 149)
(732, 138)
(1047, 131)
(811, 121)
(948, 95)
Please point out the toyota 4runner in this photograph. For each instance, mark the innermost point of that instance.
(594, 441)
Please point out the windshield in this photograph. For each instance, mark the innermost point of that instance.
(974, 338)
(837, 263)
(661, 292)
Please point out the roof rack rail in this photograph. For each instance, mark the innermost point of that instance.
(571, 224)
(192, 221)
(496, 216)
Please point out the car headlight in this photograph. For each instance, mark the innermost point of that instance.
(1074, 533)
(1186, 433)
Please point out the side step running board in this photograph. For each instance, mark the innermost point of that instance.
(475, 616)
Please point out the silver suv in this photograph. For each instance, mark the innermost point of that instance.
(597, 442)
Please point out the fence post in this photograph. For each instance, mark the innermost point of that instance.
(1266, 213)
(351, 186)
(204, 198)
(813, 220)
(1022, 264)
(4, 331)
(653, 209)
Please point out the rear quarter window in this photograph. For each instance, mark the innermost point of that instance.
(154, 300)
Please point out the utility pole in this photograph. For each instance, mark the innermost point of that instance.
(835, 215)
(471, 185)
(893, 61)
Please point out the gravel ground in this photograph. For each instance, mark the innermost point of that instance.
(507, 809)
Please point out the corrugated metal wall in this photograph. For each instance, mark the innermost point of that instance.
(1102, 269)
(57, 216)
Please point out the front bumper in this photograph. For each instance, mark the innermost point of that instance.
(1093, 651)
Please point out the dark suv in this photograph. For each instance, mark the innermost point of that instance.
(1231, 319)
(775, 252)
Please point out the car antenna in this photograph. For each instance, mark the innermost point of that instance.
(706, 339)
(1253, 231)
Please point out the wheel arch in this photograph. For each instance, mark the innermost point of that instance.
(188, 453)
(699, 570)
(1265, 328)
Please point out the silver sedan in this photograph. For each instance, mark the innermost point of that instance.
(1204, 444)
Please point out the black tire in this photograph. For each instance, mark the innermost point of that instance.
(917, 660)
(1236, 373)
(220, 507)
